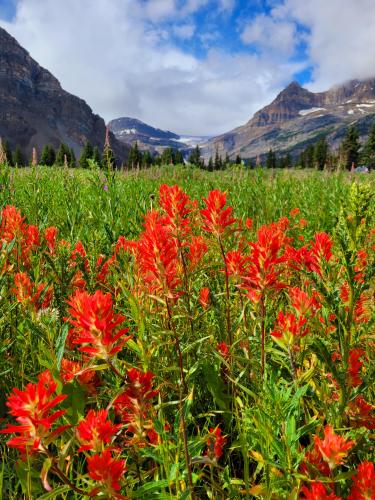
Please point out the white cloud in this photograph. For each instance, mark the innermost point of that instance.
(109, 53)
(339, 37)
(270, 34)
(184, 31)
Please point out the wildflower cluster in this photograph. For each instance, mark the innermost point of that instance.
(207, 357)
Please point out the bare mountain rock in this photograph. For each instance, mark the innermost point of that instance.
(298, 117)
(35, 110)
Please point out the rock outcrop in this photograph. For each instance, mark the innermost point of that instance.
(298, 117)
(35, 110)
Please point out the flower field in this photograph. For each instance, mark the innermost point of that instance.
(177, 334)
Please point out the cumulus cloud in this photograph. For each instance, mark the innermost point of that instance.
(112, 54)
(184, 31)
(270, 34)
(339, 37)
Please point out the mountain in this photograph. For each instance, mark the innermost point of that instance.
(35, 110)
(298, 117)
(129, 130)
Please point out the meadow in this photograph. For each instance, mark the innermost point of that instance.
(176, 333)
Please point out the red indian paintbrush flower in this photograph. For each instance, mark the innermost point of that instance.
(107, 471)
(235, 264)
(266, 262)
(363, 483)
(215, 442)
(176, 204)
(204, 297)
(317, 491)
(95, 431)
(361, 413)
(32, 409)
(333, 447)
(355, 366)
(302, 302)
(216, 218)
(96, 324)
(28, 294)
(223, 349)
(50, 235)
(197, 249)
(87, 378)
(135, 409)
(157, 258)
(289, 328)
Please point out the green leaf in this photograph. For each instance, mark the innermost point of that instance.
(60, 345)
(52, 495)
(151, 487)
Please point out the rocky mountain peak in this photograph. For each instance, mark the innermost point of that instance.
(35, 110)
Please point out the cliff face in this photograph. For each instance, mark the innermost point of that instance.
(297, 117)
(35, 110)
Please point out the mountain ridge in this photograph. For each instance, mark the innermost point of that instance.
(297, 117)
(35, 110)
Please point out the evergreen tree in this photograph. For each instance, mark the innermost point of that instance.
(227, 159)
(320, 154)
(73, 161)
(271, 159)
(18, 159)
(63, 152)
(309, 156)
(146, 159)
(86, 154)
(168, 156)
(179, 157)
(48, 156)
(368, 150)
(135, 157)
(238, 160)
(210, 166)
(350, 147)
(218, 163)
(8, 153)
(195, 157)
(96, 156)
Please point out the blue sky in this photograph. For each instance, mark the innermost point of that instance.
(193, 66)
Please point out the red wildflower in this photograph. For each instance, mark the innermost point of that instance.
(95, 431)
(302, 303)
(197, 249)
(317, 491)
(39, 297)
(158, 261)
(32, 409)
(235, 264)
(95, 324)
(50, 235)
(215, 442)
(355, 367)
(223, 349)
(314, 458)
(215, 216)
(333, 447)
(294, 212)
(134, 406)
(288, 327)
(204, 297)
(361, 413)
(79, 256)
(88, 378)
(12, 224)
(361, 265)
(265, 263)
(107, 471)
(363, 483)
(176, 205)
